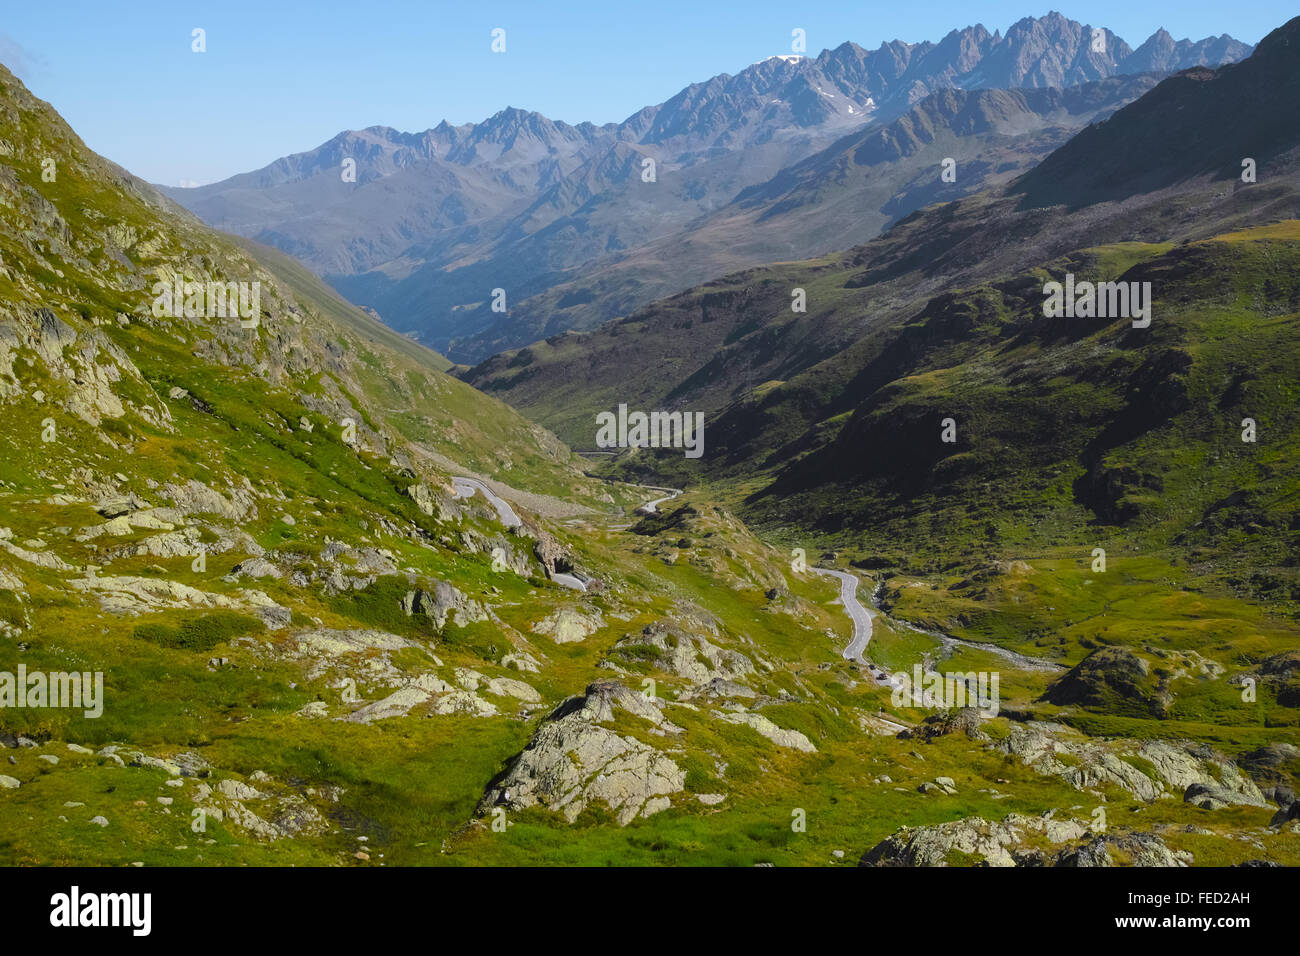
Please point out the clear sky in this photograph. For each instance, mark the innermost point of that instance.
(282, 76)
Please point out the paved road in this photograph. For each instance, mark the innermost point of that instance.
(465, 487)
(861, 617)
(650, 506)
(858, 614)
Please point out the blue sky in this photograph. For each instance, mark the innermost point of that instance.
(279, 77)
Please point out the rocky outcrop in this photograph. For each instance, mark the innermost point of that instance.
(127, 594)
(444, 603)
(790, 739)
(964, 720)
(361, 654)
(1281, 673)
(357, 661)
(683, 653)
(1122, 849)
(88, 368)
(41, 559)
(555, 558)
(341, 567)
(973, 840)
(262, 812)
(1055, 750)
(570, 624)
(1020, 840)
(574, 761)
(194, 497)
(441, 507)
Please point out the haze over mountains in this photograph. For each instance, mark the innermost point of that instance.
(561, 218)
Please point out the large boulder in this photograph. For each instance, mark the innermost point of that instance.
(568, 625)
(574, 761)
(442, 604)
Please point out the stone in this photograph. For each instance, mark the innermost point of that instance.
(569, 625)
(445, 603)
(1001, 844)
(574, 761)
(791, 739)
(236, 790)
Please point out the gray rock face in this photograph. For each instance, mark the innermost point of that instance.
(568, 625)
(555, 558)
(1125, 849)
(443, 604)
(129, 594)
(88, 364)
(574, 761)
(277, 815)
(256, 568)
(1087, 765)
(685, 654)
(965, 720)
(194, 497)
(434, 505)
(790, 739)
(1211, 797)
(1020, 841)
(957, 842)
(1290, 811)
(344, 568)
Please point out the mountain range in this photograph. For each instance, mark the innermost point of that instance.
(560, 216)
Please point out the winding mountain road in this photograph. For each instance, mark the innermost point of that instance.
(857, 612)
(650, 507)
(464, 487)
